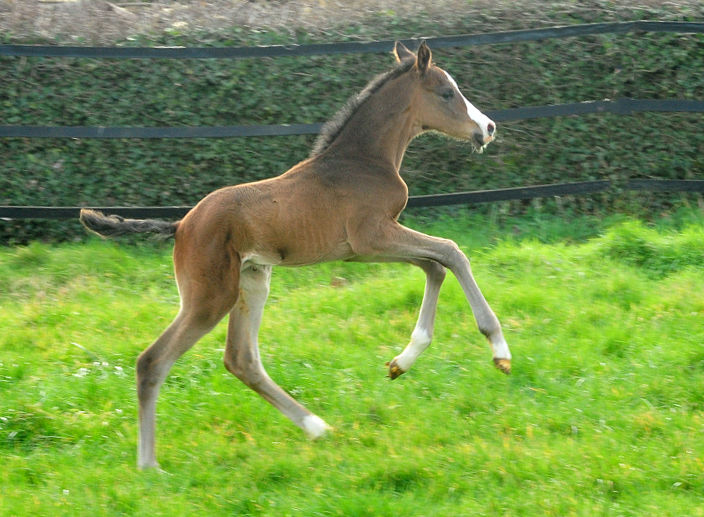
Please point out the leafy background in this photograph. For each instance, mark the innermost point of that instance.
(66, 92)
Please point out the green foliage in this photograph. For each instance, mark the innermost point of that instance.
(659, 254)
(66, 92)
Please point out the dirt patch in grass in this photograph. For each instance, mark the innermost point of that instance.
(98, 22)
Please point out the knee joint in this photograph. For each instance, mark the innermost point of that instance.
(437, 271)
(455, 255)
(248, 371)
(145, 364)
(249, 374)
(231, 365)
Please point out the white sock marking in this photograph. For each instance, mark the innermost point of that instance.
(477, 116)
(315, 427)
(500, 348)
(420, 339)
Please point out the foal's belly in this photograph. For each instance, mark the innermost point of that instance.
(297, 257)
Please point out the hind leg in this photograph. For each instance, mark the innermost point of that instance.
(203, 304)
(242, 357)
(153, 365)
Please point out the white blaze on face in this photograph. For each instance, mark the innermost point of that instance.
(477, 116)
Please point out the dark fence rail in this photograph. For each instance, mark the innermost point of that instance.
(457, 198)
(158, 132)
(349, 47)
(624, 106)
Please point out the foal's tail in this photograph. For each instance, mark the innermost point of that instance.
(114, 225)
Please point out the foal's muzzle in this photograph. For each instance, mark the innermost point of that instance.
(481, 139)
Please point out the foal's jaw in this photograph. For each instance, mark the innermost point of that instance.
(479, 142)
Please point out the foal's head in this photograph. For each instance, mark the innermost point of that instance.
(440, 106)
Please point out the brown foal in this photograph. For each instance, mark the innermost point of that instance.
(340, 204)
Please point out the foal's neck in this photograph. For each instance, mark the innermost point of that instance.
(383, 126)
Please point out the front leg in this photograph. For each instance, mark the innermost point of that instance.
(390, 239)
(423, 333)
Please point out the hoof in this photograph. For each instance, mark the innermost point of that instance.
(394, 370)
(503, 364)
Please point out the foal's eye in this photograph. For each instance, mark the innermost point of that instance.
(448, 94)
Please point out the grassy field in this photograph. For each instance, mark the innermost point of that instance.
(602, 415)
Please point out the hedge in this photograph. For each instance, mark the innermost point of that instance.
(87, 92)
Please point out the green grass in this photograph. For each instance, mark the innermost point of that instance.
(602, 415)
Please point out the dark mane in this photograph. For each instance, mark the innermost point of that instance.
(332, 129)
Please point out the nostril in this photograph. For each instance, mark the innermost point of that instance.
(490, 129)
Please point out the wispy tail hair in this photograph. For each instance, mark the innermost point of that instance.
(114, 225)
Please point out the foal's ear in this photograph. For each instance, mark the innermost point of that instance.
(402, 53)
(424, 57)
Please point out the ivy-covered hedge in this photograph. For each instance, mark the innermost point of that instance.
(87, 92)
